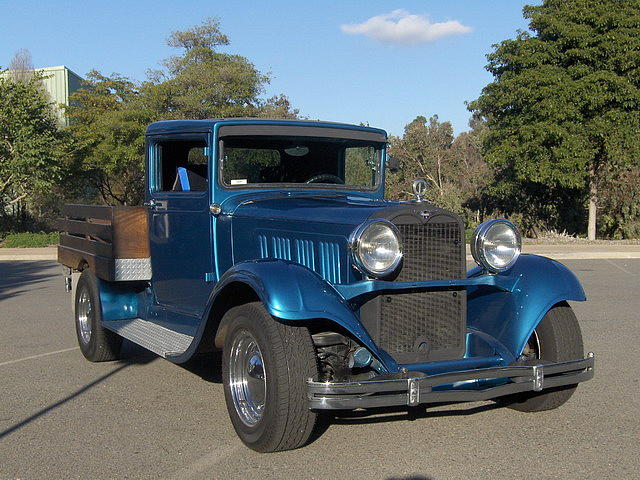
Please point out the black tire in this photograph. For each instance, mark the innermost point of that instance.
(288, 360)
(100, 345)
(559, 339)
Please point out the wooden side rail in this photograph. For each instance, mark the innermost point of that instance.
(112, 241)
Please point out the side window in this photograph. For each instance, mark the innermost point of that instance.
(182, 166)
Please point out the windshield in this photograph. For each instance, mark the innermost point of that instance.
(264, 161)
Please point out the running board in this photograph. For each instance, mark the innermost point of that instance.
(159, 340)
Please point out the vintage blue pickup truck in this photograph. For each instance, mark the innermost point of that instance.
(271, 241)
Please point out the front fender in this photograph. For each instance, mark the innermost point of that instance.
(511, 317)
(292, 292)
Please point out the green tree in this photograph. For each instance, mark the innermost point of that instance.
(109, 116)
(203, 82)
(563, 109)
(620, 203)
(32, 148)
(277, 106)
(108, 121)
(469, 172)
(454, 167)
(423, 152)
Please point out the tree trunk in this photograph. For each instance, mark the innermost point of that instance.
(593, 200)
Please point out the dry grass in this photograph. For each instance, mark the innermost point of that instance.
(553, 237)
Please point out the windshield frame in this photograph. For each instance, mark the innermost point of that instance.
(380, 146)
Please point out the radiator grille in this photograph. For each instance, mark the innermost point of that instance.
(432, 251)
(427, 325)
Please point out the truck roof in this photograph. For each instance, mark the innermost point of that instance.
(199, 126)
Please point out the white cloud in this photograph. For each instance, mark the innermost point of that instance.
(402, 28)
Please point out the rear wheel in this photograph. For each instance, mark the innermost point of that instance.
(265, 369)
(96, 343)
(557, 338)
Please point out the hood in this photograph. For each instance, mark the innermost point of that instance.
(333, 208)
(309, 228)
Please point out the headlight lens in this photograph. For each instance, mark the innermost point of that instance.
(376, 247)
(496, 245)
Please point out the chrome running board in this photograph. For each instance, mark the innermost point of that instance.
(159, 340)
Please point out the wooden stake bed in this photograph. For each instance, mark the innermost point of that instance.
(112, 241)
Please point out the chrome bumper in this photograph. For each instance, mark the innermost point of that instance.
(417, 388)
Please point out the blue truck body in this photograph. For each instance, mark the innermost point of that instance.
(272, 241)
(259, 240)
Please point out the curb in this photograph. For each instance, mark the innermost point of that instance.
(12, 257)
(591, 255)
(582, 255)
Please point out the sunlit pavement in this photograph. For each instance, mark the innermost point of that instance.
(143, 417)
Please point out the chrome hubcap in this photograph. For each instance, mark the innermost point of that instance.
(247, 378)
(84, 316)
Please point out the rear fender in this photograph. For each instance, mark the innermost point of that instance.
(118, 300)
(511, 317)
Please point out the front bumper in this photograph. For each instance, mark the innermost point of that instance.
(416, 388)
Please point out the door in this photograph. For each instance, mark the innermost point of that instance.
(179, 221)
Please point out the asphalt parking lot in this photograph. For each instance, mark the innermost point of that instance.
(143, 417)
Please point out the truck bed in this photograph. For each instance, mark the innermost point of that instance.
(111, 241)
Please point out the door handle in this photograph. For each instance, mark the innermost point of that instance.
(156, 205)
(151, 204)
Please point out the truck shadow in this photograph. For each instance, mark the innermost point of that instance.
(411, 477)
(394, 414)
(207, 366)
(132, 355)
(19, 277)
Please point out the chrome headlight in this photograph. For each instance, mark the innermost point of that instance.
(376, 247)
(496, 245)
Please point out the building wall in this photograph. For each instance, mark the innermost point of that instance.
(59, 82)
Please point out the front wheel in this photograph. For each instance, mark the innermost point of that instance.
(557, 338)
(265, 369)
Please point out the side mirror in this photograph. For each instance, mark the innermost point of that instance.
(392, 164)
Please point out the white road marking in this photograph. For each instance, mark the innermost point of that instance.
(621, 268)
(38, 356)
(205, 463)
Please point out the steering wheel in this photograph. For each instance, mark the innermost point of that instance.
(326, 178)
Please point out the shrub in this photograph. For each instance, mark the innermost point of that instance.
(24, 240)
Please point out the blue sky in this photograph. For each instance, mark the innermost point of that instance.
(347, 61)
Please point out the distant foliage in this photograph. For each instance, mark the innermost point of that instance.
(563, 114)
(21, 66)
(33, 160)
(620, 205)
(454, 167)
(360, 166)
(109, 116)
(555, 135)
(249, 163)
(108, 121)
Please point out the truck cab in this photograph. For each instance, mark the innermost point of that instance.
(271, 241)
